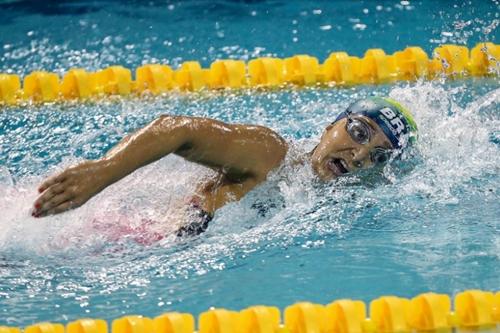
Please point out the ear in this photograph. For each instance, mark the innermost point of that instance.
(325, 131)
(329, 127)
(314, 149)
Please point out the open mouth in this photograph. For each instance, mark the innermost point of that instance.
(338, 166)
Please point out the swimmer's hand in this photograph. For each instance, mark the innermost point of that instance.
(72, 187)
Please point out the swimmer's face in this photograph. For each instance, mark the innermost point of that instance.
(339, 152)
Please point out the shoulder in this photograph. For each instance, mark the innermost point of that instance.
(272, 148)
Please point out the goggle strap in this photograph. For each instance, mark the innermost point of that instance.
(394, 140)
(383, 126)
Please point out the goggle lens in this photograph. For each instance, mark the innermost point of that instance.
(380, 156)
(359, 131)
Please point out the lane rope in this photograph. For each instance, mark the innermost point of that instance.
(474, 310)
(339, 69)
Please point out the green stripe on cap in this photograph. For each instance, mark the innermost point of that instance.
(408, 116)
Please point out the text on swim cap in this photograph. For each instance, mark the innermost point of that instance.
(395, 120)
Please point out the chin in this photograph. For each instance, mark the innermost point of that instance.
(325, 175)
(322, 173)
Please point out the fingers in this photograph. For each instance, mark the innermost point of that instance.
(61, 208)
(49, 194)
(54, 202)
(51, 198)
(51, 181)
(75, 185)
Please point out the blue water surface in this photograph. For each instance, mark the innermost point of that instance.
(429, 224)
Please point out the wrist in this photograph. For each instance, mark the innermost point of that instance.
(109, 170)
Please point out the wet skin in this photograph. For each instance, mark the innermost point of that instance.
(241, 155)
(337, 153)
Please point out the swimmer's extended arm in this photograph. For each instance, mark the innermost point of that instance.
(241, 152)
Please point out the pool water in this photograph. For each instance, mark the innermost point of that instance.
(429, 223)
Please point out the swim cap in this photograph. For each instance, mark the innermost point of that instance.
(396, 121)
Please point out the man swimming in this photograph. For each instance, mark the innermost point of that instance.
(368, 133)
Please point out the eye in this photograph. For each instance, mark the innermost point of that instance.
(357, 164)
(380, 155)
(359, 131)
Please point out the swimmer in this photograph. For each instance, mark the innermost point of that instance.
(368, 133)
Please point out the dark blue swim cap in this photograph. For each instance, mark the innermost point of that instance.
(394, 120)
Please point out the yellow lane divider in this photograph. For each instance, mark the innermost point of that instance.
(474, 310)
(339, 69)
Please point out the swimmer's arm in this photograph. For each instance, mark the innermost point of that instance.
(242, 151)
(77, 184)
(227, 193)
(161, 137)
(238, 151)
(217, 192)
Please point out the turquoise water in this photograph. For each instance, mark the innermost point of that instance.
(432, 226)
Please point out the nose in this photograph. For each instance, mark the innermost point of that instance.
(361, 157)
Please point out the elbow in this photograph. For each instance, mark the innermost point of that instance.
(170, 122)
(168, 118)
(173, 128)
(280, 149)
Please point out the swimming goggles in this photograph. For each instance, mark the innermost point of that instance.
(361, 133)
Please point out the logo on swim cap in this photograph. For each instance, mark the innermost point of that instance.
(393, 119)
